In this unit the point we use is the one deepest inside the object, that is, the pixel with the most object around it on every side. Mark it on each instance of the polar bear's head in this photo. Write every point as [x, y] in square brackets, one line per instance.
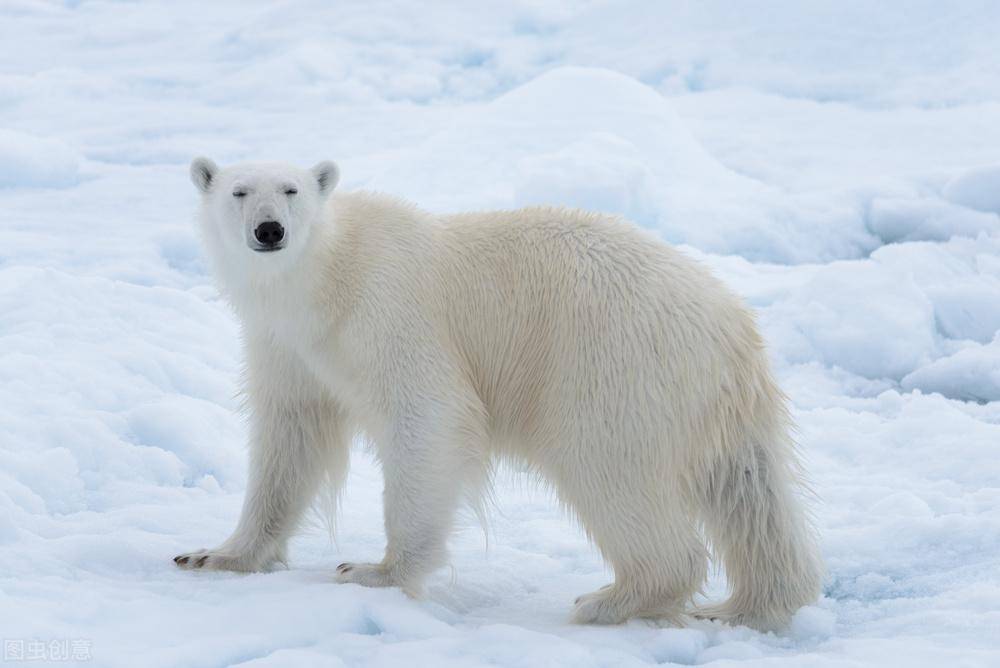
[260, 216]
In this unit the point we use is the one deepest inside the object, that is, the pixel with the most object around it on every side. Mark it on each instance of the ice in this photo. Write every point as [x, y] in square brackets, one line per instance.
[835, 163]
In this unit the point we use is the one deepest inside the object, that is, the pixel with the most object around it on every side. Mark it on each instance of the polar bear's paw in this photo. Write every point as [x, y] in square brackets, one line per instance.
[727, 613]
[366, 575]
[603, 606]
[613, 605]
[214, 560]
[718, 612]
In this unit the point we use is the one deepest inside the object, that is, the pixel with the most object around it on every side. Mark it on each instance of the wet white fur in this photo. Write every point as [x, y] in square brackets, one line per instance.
[616, 368]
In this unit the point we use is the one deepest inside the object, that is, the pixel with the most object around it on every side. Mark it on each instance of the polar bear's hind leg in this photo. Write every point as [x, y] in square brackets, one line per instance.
[644, 530]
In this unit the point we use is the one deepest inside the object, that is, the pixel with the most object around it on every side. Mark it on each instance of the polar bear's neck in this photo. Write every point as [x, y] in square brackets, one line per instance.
[357, 233]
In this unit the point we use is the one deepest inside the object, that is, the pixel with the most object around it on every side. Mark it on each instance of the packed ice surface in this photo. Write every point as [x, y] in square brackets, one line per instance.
[837, 164]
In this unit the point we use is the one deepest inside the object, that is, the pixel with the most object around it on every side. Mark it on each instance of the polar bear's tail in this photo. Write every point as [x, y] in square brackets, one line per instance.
[755, 520]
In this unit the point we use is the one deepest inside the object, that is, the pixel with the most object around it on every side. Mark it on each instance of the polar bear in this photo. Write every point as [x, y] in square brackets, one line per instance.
[616, 368]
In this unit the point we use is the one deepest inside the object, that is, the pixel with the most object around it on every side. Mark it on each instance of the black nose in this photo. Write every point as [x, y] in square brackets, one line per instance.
[269, 233]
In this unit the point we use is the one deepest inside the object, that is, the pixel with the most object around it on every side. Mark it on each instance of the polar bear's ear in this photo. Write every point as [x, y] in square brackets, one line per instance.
[327, 176]
[203, 173]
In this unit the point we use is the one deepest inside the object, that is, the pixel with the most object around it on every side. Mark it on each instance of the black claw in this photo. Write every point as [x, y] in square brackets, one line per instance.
[177, 559]
[201, 561]
[181, 560]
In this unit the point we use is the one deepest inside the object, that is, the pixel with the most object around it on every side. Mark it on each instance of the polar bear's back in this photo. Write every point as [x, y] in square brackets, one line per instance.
[550, 304]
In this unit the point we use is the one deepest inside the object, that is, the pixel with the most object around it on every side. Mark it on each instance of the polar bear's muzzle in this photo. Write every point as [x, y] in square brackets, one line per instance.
[268, 236]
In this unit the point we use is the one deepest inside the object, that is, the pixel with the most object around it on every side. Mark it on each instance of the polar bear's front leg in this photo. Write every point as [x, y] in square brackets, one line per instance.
[298, 437]
[426, 468]
[293, 448]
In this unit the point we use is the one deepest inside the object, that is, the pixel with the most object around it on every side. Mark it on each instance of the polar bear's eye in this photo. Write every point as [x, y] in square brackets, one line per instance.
[239, 193]
[291, 191]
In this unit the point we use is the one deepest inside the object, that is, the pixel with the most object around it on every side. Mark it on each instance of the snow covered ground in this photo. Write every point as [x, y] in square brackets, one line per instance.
[837, 163]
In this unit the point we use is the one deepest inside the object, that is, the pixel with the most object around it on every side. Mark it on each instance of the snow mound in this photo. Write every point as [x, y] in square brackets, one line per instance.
[897, 219]
[977, 188]
[961, 278]
[597, 139]
[600, 172]
[967, 308]
[28, 161]
[499, 149]
[971, 374]
[862, 317]
[583, 137]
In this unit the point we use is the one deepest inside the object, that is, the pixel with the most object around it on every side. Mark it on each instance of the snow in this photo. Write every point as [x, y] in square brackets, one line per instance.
[30, 161]
[971, 374]
[834, 162]
[977, 188]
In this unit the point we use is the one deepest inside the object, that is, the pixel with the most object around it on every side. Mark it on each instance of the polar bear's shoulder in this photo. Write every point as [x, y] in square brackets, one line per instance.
[371, 208]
